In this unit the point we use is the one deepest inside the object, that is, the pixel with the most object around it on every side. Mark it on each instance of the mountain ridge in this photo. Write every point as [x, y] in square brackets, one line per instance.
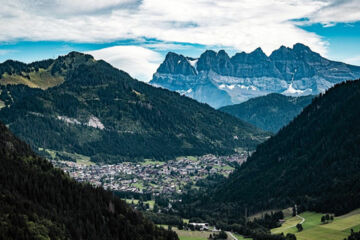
[270, 112]
[101, 112]
[293, 71]
[312, 162]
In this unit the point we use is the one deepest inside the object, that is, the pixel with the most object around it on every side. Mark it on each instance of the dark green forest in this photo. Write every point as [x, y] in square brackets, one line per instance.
[313, 162]
[40, 202]
[270, 112]
[139, 121]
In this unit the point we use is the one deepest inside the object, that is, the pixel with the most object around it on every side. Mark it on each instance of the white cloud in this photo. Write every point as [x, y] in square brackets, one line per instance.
[239, 24]
[138, 61]
[353, 60]
[337, 11]
[5, 51]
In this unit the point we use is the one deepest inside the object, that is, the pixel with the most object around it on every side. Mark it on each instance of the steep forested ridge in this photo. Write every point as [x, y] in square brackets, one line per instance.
[270, 112]
[102, 112]
[40, 202]
[314, 161]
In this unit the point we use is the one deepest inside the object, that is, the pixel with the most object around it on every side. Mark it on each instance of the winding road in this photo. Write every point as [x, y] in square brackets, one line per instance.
[298, 216]
[232, 235]
[301, 222]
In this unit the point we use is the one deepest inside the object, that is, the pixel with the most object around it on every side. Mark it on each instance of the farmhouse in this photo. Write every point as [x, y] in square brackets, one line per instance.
[200, 226]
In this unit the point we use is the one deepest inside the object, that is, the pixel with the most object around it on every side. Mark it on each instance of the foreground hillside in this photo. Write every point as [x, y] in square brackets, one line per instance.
[337, 229]
[40, 202]
[270, 112]
[314, 161]
[101, 112]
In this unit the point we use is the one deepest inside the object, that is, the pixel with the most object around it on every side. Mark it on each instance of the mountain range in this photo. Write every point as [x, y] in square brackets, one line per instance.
[75, 104]
[270, 112]
[220, 80]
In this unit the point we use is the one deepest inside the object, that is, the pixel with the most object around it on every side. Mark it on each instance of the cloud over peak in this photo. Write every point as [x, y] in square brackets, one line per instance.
[138, 61]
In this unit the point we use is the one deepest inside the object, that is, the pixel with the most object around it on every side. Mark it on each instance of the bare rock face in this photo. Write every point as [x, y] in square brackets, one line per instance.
[217, 79]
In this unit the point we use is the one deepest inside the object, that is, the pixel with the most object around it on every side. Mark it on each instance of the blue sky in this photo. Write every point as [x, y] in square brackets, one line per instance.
[135, 35]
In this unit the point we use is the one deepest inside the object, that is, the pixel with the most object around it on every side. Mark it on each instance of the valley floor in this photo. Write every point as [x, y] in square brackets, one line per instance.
[338, 229]
[149, 176]
[204, 235]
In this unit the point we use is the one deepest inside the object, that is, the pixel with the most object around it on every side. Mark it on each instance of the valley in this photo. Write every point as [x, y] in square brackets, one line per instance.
[179, 120]
[152, 177]
[113, 118]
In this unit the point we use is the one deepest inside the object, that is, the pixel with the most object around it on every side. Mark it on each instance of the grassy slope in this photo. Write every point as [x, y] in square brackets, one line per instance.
[41, 79]
[199, 235]
[135, 201]
[192, 235]
[314, 229]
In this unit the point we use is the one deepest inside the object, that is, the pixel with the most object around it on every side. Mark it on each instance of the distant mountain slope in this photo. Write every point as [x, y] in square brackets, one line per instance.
[270, 112]
[314, 161]
[40, 202]
[103, 113]
[41, 74]
[219, 80]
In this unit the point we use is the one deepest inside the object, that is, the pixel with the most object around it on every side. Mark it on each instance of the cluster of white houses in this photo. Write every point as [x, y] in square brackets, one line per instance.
[152, 177]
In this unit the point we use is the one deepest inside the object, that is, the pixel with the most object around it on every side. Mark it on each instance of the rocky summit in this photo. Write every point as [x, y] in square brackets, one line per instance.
[219, 80]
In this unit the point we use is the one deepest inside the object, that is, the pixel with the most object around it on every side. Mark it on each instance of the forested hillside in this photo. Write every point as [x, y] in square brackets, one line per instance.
[40, 202]
[314, 161]
[270, 112]
[103, 113]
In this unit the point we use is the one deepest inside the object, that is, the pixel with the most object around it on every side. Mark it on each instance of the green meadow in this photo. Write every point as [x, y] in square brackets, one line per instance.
[79, 158]
[135, 201]
[314, 230]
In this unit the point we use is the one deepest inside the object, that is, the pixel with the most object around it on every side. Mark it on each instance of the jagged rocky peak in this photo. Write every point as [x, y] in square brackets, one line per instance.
[295, 70]
[176, 64]
[299, 47]
[259, 53]
[206, 60]
[283, 54]
[218, 62]
[255, 56]
[239, 57]
[298, 51]
[222, 54]
[305, 53]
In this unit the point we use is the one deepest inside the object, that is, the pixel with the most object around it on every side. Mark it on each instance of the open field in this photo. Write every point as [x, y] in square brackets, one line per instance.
[192, 235]
[313, 228]
[40, 79]
[151, 162]
[198, 235]
[135, 201]
[191, 158]
[2, 104]
[80, 159]
[239, 237]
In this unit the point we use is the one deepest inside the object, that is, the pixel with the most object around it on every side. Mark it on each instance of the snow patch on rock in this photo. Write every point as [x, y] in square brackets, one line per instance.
[69, 120]
[95, 123]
